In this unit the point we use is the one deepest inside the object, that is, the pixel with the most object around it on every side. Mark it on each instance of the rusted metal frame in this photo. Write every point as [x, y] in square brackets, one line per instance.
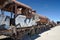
[26, 11]
[15, 34]
[11, 10]
[27, 14]
[15, 7]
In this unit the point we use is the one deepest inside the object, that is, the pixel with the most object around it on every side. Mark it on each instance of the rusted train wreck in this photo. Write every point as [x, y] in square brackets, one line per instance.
[16, 26]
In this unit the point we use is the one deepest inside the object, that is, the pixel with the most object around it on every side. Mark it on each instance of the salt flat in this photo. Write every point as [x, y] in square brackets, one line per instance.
[53, 34]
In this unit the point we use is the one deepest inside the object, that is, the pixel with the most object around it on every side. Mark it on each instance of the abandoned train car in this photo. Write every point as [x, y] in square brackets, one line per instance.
[22, 20]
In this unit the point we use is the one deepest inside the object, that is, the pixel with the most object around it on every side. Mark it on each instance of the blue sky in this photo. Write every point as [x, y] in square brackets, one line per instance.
[49, 8]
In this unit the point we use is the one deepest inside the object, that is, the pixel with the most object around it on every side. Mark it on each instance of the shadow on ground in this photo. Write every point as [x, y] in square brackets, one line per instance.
[35, 36]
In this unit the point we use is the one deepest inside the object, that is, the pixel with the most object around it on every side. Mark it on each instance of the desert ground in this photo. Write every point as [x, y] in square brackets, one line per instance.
[53, 34]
